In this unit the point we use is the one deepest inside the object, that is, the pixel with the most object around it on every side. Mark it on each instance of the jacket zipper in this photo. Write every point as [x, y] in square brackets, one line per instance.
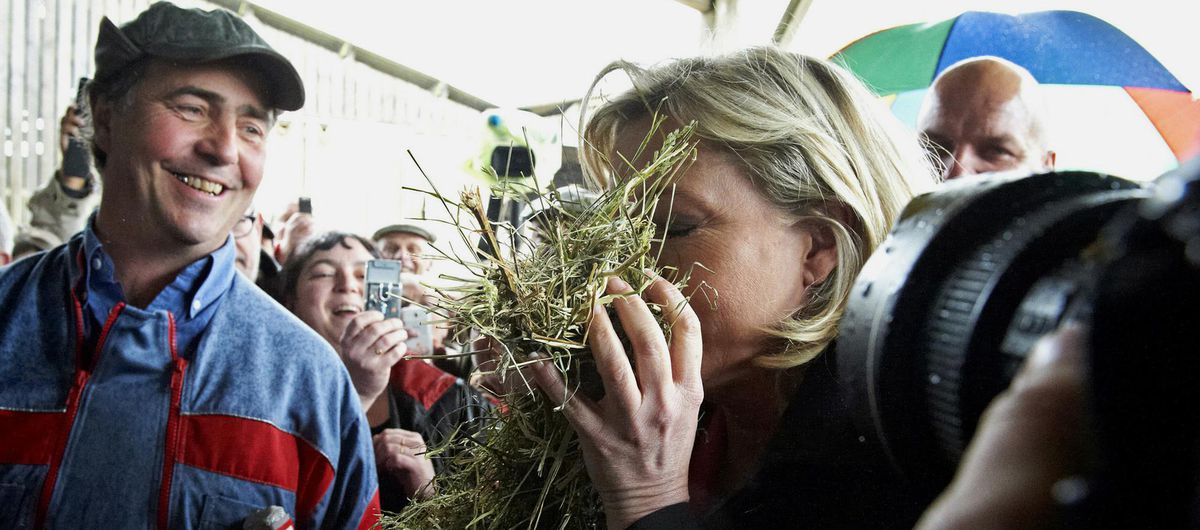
[74, 399]
[173, 438]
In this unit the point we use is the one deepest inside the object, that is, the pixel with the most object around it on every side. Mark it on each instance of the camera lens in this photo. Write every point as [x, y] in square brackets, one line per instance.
[945, 310]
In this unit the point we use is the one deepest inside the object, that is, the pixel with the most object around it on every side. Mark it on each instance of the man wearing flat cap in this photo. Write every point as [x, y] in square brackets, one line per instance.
[143, 382]
[407, 243]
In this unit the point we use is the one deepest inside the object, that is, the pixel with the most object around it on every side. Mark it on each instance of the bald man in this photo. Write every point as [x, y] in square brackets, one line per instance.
[985, 114]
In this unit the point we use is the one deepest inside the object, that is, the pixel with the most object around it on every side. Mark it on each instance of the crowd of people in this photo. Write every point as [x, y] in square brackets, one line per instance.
[171, 356]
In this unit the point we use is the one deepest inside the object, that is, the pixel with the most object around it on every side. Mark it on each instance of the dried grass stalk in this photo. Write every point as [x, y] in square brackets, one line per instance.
[524, 470]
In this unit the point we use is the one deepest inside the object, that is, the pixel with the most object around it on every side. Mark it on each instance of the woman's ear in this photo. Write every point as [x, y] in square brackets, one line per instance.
[821, 254]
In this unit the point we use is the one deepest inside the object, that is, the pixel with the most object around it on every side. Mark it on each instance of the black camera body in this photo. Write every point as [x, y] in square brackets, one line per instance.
[945, 311]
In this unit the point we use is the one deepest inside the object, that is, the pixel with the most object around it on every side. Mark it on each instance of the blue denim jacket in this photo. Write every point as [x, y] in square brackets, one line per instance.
[129, 431]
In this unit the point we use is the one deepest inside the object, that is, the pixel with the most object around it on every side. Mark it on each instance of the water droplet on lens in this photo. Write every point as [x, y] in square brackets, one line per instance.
[935, 379]
[862, 439]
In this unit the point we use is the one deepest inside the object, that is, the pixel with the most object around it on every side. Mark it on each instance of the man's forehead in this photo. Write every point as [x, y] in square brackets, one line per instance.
[401, 238]
[986, 116]
[229, 79]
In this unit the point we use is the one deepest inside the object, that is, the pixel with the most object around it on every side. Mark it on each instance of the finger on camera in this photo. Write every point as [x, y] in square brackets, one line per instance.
[389, 348]
[359, 322]
[376, 327]
[645, 336]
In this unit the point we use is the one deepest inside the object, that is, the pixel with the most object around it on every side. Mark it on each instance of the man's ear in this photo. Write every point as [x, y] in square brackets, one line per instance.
[5, 258]
[101, 123]
[1048, 161]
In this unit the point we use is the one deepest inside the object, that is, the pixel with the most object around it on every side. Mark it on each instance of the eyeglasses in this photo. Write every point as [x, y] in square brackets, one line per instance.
[245, 225]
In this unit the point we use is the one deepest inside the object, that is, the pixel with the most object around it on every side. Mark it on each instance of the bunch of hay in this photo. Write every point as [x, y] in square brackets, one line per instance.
[524, 468]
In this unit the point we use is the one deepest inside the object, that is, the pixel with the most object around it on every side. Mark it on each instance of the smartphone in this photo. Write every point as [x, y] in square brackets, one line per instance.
[385, 287]
[385, 293]
[417, 319]
[77, 161]
[305, 205]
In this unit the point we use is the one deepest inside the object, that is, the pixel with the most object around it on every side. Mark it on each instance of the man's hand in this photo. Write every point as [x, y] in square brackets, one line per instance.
[401, 455]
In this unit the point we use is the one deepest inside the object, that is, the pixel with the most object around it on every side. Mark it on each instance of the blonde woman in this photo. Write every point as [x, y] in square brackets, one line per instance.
[798, 178]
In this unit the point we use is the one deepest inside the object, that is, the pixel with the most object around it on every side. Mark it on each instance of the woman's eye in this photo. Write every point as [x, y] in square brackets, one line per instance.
[676, 228]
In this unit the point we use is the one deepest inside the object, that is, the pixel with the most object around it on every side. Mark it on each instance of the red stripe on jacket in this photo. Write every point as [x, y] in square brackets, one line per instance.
[28, 436]
[422, 381]
[259, 452]
[370, 516]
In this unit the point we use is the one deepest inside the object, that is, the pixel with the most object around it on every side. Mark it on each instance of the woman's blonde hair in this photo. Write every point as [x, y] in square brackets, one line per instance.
[814, 142]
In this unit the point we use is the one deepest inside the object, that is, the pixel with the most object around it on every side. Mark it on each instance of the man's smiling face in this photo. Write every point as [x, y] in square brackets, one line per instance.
[185, 154]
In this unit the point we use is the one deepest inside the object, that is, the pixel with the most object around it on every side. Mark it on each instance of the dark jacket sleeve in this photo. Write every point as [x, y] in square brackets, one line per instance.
[673, 517]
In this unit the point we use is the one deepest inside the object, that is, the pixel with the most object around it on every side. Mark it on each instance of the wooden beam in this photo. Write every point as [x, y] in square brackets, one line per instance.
[345, 48]
[786, 29]
[703, 6]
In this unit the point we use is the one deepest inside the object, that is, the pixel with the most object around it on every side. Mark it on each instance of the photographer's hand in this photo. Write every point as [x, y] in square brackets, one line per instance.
[71, 126]
[637, 439]
[370, 346]
[1031, 437]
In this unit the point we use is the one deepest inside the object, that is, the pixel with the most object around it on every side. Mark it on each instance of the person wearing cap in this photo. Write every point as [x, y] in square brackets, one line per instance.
[406, 243]
[143, 381]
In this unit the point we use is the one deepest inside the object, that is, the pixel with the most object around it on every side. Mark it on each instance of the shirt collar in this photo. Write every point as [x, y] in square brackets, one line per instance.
[195, 288]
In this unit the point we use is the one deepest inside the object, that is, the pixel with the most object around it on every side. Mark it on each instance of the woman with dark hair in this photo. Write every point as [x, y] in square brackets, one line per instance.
[408, 403]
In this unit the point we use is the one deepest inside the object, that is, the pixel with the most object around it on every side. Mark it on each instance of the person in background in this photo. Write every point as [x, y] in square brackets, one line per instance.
[985, 114]
[31, 240]
[63, 204]
[295, 227]
[247, 239]
[408, 403]
[253, 260]
[407, 243]
[143, 381]
[7, 236]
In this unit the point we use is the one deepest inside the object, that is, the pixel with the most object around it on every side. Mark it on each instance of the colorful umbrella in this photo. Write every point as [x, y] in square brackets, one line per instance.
[1113, 106]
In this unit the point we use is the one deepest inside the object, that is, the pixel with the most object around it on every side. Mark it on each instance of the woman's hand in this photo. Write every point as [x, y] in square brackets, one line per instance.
[401, 454]
[1030, 437]
[637, 439]
[370, 346]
